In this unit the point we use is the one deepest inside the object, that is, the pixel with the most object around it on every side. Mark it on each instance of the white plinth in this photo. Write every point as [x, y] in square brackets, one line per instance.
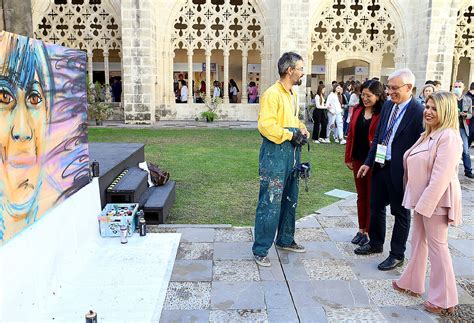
[59, 268]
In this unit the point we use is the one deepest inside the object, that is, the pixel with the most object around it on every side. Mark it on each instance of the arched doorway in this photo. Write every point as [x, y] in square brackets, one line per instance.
[463, 60]
[216, 40]
[362, 31]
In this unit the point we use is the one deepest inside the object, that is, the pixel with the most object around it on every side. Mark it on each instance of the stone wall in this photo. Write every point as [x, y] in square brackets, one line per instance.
[16, 17]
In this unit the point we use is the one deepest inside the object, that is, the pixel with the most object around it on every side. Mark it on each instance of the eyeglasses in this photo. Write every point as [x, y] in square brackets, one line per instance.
[364, 95]
[395, 88]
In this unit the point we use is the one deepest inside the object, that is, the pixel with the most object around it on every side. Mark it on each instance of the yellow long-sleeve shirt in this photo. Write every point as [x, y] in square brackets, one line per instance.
[278, 110]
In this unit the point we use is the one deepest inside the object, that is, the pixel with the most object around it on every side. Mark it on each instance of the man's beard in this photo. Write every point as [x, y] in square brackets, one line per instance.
[299, 82]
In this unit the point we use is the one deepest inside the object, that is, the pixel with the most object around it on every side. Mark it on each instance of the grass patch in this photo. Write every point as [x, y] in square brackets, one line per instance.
[216, 171]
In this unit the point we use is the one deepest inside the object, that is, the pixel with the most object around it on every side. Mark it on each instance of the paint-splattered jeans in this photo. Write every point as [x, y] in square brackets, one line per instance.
[278, 196]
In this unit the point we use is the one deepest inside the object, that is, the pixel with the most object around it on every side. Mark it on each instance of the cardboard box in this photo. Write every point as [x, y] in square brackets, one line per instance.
[116, 214]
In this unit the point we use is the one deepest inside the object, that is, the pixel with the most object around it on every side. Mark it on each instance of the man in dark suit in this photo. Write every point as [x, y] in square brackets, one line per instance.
[400, 126]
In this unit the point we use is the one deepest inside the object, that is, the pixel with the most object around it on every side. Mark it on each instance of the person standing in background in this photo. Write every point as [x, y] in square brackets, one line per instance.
[465, 113]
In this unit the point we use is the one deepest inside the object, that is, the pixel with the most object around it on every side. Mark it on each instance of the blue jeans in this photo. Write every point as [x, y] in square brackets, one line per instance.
[466, 158]
[278, 197]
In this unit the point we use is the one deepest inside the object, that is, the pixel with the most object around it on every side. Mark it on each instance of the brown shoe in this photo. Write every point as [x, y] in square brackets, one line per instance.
[402, 290]
[436, 309]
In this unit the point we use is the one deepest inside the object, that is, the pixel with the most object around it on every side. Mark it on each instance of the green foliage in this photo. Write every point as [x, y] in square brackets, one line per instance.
[216, 171]
[212, 104]
[99, 107]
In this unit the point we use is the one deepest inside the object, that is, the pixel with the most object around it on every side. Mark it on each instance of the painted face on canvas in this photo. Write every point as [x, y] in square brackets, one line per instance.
[24, 120]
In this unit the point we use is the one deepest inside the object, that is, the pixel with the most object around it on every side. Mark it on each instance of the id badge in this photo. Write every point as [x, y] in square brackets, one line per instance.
[380, 154]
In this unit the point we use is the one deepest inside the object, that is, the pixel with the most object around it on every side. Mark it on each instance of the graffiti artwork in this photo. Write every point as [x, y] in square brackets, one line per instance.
[44, 155]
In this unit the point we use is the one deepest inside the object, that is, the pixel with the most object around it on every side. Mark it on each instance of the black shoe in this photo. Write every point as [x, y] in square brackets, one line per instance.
[357, 238]
[390, 263]
[469, 175]
[367, 250]
[364, 240]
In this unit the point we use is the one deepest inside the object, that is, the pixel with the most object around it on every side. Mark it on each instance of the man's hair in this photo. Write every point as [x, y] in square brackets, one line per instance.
[436, 83]
[447, 109]
[471, 87]
[405, 74]
[429, 82]
[286, 61]
[459, 82]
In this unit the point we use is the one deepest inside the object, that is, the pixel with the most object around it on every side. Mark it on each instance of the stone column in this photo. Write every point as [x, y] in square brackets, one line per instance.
[106, 67]
[455, 70]
[167, 84]
[90, 65]
[208, 74]
[376, 67]
[190, 76]
[328, 76]
[171, 94]
[244, 98]
[226, 76]
[139, 61]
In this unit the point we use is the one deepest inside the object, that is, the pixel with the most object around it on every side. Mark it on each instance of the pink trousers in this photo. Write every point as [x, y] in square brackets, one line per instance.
[430, 238]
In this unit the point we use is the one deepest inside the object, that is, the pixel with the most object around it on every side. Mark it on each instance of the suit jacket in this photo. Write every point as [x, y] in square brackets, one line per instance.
[431, 175]
[408, 132]
[351, 133]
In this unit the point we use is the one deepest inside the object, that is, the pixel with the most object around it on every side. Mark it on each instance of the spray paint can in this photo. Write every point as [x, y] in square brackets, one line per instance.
[95, 168]
[91, 317]
[142, 224]
[123, 234]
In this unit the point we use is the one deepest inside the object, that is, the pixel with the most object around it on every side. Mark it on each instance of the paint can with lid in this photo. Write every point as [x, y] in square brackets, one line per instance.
[91, 317]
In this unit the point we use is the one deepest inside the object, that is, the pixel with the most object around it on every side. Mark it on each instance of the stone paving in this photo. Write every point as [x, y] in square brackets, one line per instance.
[215, 279]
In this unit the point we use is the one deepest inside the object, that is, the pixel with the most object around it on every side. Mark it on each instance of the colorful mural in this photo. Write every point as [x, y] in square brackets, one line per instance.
[44, 155]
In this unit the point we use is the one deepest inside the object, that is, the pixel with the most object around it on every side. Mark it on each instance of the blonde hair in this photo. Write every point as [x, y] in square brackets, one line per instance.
[447, 109]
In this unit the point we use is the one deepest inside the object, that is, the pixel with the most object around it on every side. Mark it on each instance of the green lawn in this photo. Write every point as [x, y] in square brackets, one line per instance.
[216, 171]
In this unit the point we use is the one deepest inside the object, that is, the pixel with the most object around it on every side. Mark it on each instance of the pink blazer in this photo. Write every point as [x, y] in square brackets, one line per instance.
[431, 176]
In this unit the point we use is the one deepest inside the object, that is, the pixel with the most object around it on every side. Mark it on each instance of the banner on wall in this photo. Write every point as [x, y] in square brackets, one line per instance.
[44, 156]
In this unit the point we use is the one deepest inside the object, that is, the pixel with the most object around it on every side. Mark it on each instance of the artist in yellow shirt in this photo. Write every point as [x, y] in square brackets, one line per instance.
[283, 135]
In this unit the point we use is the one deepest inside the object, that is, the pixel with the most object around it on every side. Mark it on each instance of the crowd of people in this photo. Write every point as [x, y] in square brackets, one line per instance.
[403, 151]
[217, 91]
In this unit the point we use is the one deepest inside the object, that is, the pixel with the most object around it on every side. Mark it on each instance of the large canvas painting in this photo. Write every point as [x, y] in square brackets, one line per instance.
[44, 155]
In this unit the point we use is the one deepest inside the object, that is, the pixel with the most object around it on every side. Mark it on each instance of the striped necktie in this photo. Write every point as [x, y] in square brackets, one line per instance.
[391, 124]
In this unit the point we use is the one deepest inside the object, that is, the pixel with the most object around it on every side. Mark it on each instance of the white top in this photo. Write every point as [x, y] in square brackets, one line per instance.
[354, 100]
[333, 104]
[233, 90]
[184, 93]
[318, 104]
[217, 92]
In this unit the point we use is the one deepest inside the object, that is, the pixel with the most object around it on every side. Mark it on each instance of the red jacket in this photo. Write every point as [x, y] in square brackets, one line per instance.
[358, 111]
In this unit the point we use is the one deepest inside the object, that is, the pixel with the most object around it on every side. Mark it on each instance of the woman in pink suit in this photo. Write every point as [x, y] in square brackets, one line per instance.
[433, 191]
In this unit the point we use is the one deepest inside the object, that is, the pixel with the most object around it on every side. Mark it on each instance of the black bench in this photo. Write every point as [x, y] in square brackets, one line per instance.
[157, 201]
[128, 186]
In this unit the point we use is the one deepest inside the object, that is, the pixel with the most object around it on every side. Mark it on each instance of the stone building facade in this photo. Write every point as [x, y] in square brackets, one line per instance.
[152, 44]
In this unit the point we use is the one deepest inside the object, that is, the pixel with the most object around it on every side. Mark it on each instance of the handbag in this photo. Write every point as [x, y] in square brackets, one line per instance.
[158, 176]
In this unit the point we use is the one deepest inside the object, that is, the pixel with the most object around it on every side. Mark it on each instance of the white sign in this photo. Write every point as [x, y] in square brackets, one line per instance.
[361, 70]
[253, 68]
[318, 69]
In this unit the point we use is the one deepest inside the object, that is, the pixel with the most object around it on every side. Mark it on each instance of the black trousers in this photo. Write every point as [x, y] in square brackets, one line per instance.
[320, 124]
[383, 193]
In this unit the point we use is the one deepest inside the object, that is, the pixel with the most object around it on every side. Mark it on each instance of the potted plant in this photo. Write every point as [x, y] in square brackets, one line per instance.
[99, 106]
[211, 104]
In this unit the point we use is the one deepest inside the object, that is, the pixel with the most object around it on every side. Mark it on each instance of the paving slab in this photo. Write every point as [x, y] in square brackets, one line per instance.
[277, 295]
[237, 296]
[233, 251]
[184, 316]
[188, 296]
[406, 314]
[282, 315]
[192, 270]
[340, 293]
[196, 234]
[313, 314]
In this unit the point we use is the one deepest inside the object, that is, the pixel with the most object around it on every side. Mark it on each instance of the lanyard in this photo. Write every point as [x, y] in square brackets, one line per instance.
[395, 122]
